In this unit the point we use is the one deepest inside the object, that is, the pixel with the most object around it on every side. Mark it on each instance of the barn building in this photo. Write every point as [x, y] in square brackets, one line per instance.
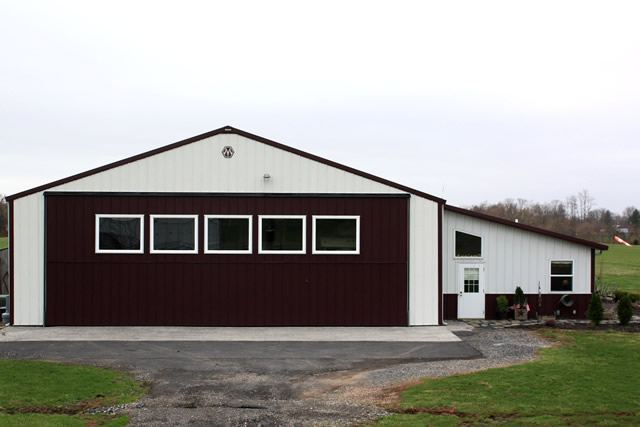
[229, 228]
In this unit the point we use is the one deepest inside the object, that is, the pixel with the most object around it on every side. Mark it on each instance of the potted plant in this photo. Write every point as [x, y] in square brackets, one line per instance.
[520, 305]
[502, 307]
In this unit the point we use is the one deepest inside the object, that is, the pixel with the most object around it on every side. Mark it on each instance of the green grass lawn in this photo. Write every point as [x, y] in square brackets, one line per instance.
[587, 378]
[4, 242]
[53, 394]
[620, 267]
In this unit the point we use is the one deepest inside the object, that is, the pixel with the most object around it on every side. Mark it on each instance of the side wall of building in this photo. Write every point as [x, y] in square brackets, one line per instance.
[200, 167]
[511, 258]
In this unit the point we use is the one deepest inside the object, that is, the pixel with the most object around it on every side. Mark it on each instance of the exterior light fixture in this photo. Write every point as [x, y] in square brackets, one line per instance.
[267, 177]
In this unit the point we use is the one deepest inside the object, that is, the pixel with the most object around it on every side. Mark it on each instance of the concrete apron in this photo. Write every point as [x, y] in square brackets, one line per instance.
[172, 333]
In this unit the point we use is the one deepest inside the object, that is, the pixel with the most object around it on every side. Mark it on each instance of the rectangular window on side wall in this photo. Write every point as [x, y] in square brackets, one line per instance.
[562, 276]
[467, 245]
[227, 234]
[336, 235]
[174, 234]
[119, 234]
[282, 234]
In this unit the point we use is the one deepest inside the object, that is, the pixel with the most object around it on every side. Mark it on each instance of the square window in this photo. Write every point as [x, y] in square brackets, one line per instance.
[119, 234]
[282, 234]
[228, 234]
[336, 235]
[467, 245]
[174, 234]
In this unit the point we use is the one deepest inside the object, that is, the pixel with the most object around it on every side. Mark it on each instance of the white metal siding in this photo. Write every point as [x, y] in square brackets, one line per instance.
[513, 257]
[423, 262]
[200, 167]
[28, 253]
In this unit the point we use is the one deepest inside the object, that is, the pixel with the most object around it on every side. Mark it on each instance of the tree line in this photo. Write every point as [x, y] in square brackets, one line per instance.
[576, 216]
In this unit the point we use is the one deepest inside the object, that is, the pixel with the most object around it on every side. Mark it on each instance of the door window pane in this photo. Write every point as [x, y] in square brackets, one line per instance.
[471, 280]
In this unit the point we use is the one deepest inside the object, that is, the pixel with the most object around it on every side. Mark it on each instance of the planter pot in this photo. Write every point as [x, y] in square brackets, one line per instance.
[520, 314]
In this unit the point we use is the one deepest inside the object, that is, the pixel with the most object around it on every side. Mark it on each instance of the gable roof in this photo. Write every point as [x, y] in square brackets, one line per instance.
[229, 130]
[537, 230]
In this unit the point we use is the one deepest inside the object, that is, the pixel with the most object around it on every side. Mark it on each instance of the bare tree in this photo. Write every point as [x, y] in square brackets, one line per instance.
[572, 207]
[585, 204]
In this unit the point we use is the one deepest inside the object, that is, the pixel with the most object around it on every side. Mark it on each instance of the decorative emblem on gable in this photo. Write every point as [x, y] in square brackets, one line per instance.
[227, 152]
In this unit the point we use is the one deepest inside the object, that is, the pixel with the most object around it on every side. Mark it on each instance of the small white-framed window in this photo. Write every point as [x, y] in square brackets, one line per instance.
[227, 234]
[561, 272]
[467, 245]
[336, 234]
[282, 234]
[119, 234]
[174, 234]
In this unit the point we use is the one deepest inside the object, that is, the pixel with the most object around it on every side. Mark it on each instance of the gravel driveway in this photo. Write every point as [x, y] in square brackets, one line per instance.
[288, 388]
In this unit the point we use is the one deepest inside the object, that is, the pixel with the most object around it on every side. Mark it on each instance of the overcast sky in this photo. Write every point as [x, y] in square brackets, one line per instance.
[470, 101]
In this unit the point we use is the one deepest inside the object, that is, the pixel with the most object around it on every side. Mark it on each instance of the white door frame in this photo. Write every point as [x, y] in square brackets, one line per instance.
[471, 305]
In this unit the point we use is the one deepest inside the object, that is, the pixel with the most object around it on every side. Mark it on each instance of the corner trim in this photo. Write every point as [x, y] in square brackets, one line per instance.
[440, 295]
[11, 265]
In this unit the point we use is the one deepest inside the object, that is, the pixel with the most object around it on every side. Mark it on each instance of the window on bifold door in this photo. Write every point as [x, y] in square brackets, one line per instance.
[174, 234]
[228, 234]
[282, 234]
[119, 233]
[561, 276]
[336, 235]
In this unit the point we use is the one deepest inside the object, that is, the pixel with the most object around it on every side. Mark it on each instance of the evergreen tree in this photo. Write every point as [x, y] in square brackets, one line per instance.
[625, 309]
[596, 311]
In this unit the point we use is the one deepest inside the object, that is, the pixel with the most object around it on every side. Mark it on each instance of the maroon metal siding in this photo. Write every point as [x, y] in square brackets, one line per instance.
[450, 306]
[550, 303]
[85, 288]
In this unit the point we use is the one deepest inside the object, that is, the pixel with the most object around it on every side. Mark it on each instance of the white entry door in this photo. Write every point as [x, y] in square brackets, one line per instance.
[470, 291]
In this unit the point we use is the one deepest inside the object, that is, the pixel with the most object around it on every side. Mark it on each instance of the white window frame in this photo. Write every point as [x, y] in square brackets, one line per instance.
[206, 234]
[316, 251]
[170, 251]
[119, 251]
[468, 257]
[572, 275]
[272, 252]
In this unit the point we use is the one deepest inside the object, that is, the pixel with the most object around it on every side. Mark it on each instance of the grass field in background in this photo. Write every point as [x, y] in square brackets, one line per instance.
[53, 394]
[4, 242]
[586, 378]
[620, 267]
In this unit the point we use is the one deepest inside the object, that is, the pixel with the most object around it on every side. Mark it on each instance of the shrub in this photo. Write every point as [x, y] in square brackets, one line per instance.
[596, 311]
[619, 294]
[550, 323]
[625, 310]
[518, 298]
[635, 242]
[502, 307]
[634, 297]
